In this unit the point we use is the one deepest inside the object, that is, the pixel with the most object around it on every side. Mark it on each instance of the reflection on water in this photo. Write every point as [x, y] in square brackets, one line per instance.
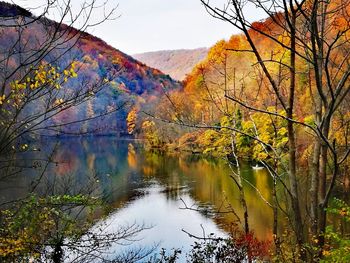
[146, 187]
[167, 221]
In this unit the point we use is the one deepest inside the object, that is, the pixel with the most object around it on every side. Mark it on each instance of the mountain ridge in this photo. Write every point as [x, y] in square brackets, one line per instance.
[176, 63]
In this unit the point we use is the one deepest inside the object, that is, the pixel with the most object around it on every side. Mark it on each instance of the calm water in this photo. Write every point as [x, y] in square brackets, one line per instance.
[146, 188]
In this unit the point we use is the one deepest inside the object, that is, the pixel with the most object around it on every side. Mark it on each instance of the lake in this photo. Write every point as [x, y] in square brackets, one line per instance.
[147, 188]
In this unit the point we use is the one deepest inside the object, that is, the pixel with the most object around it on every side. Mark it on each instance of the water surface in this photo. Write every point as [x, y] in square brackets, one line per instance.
[147, 188]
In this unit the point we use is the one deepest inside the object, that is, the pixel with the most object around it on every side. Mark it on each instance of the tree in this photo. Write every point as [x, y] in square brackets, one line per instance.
[307, 33]
[40, 82]
[37, 71]
[288, 78]
[57, 228]
[131, 120]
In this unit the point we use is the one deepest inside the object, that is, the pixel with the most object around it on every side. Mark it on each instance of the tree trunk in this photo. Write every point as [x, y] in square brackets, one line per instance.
[275, 218]
[323, 182]
[294, 191]
[314, 188]
[315, 173]
[292, 141]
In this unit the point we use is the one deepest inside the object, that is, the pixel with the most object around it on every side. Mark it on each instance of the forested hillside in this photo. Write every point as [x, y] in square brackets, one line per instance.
[230, 81]
[277, 95]
[176, 63]
[114, 81]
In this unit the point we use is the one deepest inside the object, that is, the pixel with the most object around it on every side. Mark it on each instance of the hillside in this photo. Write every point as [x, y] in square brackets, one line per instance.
[176, 63]
[126, 82]
[226, 83]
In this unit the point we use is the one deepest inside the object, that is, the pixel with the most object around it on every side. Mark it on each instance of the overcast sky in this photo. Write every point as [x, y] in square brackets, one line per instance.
[149, 25]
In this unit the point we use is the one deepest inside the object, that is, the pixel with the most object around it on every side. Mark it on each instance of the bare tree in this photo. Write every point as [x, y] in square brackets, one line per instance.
[315, 34]
[39, 80]
[37, 71]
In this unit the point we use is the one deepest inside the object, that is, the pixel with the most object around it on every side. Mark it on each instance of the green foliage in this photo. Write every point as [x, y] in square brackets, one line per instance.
[208, 141]
[200, 81]
[340, 208]
[218, 142]
[272, 134]
[253, 138]
[310, 120]
[152, 135]
[37, 222]
[243, 141]
[337, 247]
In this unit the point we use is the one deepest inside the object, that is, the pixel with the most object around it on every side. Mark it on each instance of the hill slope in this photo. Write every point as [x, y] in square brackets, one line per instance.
[176, 63]
[126, 81]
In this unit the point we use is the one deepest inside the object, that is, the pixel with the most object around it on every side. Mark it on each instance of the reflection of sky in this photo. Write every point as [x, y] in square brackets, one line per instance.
[122, 168]
[166, 217]
[126, 176]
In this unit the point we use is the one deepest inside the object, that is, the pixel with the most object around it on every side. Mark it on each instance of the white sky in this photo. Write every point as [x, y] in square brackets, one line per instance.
[149, 25]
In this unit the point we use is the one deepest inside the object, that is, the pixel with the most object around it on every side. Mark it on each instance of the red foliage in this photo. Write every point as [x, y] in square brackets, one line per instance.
[255, 248]
[259, 26]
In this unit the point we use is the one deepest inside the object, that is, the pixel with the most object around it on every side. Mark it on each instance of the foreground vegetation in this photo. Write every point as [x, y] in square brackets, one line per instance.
[278, 95]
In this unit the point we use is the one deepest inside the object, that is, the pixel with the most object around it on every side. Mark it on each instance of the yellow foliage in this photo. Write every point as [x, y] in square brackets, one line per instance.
[46, 76]
[2, 99]
[131, 120]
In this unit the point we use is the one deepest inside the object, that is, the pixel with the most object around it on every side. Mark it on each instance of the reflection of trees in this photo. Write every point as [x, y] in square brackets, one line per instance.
[206, 180]
[67, 201]
[91, 161]
[67, 162]
[215, 186]
[210, 183]
[132, 162]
